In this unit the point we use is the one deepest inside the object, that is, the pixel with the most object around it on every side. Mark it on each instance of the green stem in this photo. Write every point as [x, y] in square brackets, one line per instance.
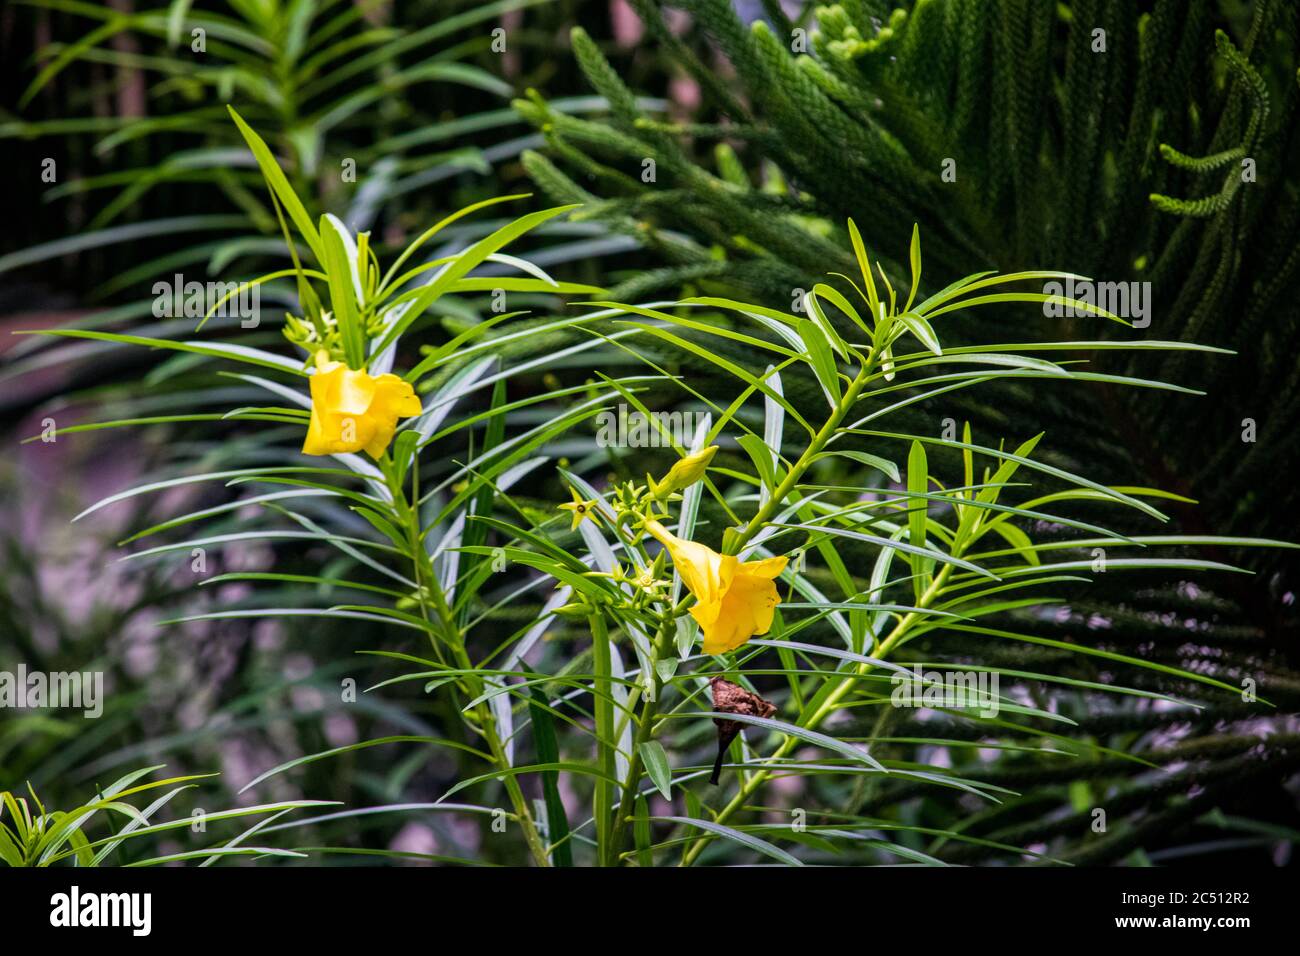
[796, 473]
[643, 733]
[408, 518]
[603, 706]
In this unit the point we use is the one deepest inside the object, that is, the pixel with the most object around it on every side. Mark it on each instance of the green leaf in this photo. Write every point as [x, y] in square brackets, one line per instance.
[864, 264]
[818, 317]
[833, 295]
[865, 458]
[343, 298]
[922, 330]
[807, 735]
[736, 836]
[821, 359]
[279, 184]
[548, 751]
[464, 262]
[915, 259]
[349, 748]
[656, 766]
[918, 483]
[1018, 540]
[761, 456]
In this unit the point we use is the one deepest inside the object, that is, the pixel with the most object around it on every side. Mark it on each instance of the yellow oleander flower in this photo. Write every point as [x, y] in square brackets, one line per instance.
[734, 599]
[352, 410]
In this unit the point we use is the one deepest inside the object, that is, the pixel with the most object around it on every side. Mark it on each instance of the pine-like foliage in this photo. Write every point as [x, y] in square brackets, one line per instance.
[1132, 143]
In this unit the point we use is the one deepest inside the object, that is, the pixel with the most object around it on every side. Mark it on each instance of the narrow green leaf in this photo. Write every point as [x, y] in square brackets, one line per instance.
[915, 258]
[918, 483]
[656, 766]
[279, 184]
[736, 836]
[548, 751]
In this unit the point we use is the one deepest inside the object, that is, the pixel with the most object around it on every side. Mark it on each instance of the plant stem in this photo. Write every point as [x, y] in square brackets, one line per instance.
[643, 730]
[819, 441]
[603, 707]
[408, 518]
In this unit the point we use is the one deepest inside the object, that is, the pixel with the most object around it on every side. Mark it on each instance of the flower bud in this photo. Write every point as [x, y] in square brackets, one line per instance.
[686, 472]
[575, 610]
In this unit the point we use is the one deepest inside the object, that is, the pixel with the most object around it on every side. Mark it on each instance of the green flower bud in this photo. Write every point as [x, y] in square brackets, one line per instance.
[686, 472]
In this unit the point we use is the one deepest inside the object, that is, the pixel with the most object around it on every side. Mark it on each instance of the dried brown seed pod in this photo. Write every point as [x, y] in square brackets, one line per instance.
[729, 698]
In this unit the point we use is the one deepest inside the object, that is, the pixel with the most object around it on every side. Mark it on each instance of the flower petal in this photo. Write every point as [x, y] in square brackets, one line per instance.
[746, 609]
[395, 397]
[769, 568]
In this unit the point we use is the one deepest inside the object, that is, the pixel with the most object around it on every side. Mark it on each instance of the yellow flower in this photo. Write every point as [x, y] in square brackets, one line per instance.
[734, 599]
[579, 508]
[352, 410]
